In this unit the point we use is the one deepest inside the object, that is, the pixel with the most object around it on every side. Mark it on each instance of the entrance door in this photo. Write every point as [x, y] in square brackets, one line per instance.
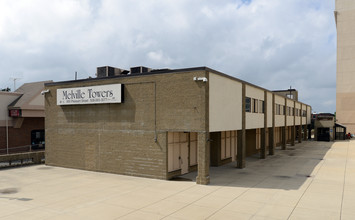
[323, 134]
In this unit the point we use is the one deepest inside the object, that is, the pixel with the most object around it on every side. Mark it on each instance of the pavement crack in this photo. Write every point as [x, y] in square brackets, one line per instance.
[342, 195]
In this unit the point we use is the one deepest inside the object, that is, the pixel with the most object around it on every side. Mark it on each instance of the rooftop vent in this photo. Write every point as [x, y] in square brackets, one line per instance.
[140, 69]
[106, 71]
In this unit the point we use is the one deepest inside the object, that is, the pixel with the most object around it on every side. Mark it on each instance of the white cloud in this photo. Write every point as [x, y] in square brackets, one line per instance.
[272, 43]
[158, 57]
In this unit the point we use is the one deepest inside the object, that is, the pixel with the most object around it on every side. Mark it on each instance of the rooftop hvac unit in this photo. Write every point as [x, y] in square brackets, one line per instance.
[140, 69]
[106, 71]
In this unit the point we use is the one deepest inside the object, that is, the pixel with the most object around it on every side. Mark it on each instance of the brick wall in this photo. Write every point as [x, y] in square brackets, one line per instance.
[120, 138]
[20, 136]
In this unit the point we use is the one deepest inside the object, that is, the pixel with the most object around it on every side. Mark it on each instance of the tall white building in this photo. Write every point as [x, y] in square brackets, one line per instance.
[345, 85]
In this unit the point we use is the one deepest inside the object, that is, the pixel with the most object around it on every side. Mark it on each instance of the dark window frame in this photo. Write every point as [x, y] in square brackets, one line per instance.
[247, 104]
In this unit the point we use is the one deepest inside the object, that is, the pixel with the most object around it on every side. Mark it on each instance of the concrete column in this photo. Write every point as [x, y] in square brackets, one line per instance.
[300, 134]
[283, 136]
[308, 125]
[263, 144]
[263, 130]
[293, 129]
[309, 132]
[305, 132]
[293, 136]
[241, 137]
[271, 141]
[283, 130]
[203, 144]
[203, 157]
[272, 129]
[241, 147]
[300, 127]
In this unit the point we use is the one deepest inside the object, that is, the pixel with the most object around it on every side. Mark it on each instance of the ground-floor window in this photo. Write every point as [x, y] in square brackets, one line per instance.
[228, 144]
[182, 150]
[193, 148]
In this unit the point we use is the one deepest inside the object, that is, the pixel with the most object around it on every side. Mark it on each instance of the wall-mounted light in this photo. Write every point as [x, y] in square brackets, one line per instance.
[203, 79]
[44, 91]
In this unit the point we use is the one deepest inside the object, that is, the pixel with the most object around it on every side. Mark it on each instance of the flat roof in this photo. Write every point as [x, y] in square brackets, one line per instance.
[167, 71]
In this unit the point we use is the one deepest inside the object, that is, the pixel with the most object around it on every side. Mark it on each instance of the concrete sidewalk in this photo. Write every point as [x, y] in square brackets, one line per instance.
[312, 180]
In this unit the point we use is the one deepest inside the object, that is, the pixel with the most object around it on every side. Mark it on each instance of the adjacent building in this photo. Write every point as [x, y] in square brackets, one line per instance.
[165, 123]
[345, 81]
[22, 113]
[324, 127]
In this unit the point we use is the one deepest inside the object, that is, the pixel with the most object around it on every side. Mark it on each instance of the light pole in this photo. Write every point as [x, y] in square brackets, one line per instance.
[7, 133]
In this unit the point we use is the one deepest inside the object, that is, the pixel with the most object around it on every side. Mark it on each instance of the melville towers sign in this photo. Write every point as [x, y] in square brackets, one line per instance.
[90, 95]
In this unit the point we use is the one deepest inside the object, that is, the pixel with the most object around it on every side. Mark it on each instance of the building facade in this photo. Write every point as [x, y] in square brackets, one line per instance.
[166, 123]
[22, 112]
[345, 81]
[324, 127]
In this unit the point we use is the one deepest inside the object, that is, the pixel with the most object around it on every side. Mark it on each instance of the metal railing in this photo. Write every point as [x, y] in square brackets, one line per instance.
[19, 149]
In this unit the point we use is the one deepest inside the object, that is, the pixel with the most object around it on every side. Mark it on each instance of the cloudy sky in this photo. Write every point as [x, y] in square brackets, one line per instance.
[271, 43]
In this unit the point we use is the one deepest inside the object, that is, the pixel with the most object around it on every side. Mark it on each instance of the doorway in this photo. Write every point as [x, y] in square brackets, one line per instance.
[182, 147]
[323, 134]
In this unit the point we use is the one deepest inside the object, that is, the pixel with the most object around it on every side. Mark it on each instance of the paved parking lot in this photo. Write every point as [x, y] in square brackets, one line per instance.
[312, 180]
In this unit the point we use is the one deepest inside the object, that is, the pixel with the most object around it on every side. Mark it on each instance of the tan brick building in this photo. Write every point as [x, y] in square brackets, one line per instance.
[166, 123]
[345, 89]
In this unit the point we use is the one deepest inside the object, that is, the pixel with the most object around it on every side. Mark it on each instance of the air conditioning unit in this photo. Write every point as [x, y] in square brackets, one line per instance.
[140, 69]
[106, 71]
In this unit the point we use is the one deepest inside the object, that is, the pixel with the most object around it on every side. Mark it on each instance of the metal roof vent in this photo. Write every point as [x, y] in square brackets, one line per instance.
[106, 71]
[140, 69]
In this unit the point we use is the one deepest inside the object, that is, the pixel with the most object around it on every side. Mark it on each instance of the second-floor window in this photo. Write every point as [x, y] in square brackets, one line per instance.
[247, 104]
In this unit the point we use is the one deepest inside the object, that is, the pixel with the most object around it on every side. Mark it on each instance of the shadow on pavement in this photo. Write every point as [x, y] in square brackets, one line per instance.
[288, 169]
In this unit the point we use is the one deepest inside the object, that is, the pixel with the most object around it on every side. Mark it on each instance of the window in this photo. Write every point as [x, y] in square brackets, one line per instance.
[255, 105]
[277, 109]
[290, 111]
[228, 143]
[261, 106]
[247, 104]
[179, 152]
[193, 148]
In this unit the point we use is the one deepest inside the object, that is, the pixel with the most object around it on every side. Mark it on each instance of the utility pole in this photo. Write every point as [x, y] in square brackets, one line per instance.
[14, 79]
[7, 133]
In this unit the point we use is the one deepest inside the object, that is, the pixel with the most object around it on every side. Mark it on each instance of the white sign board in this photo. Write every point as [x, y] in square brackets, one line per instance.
[90, 95]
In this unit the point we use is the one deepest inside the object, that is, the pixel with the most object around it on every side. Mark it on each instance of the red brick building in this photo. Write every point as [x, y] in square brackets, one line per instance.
[21, 112]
